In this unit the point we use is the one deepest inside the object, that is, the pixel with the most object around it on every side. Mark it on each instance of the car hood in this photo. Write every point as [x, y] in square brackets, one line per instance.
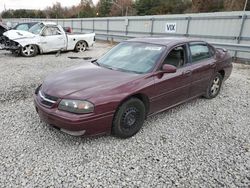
[18, 34]
[85, 81]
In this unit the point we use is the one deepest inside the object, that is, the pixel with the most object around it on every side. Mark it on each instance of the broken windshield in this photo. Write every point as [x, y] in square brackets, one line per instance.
[36, 29]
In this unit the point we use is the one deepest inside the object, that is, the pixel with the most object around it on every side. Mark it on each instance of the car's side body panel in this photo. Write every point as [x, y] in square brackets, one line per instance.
[170, 89]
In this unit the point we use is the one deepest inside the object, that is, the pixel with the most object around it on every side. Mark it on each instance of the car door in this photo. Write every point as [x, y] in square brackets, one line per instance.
[203, 67]
[52, 39]
[173, 88]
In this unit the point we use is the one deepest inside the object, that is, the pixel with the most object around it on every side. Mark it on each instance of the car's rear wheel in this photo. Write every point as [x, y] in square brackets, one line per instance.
[81, 46]
[29, 50]
[129, 118]
[214, 86]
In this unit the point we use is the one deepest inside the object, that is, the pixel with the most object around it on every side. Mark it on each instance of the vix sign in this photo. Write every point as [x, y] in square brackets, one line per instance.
[170, 28]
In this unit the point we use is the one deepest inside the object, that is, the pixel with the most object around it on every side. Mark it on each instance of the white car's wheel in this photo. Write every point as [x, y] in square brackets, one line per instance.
[29, 50]
[81, 46]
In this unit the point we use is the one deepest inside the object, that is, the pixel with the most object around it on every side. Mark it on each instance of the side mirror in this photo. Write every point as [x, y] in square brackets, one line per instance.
[168, 68]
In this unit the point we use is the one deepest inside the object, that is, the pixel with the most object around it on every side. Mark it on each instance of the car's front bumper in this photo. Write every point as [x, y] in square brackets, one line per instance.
[89, 124]
[7, 44]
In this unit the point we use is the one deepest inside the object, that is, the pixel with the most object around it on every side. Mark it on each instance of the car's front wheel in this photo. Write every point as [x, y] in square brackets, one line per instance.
[214, 86]
[129, 118]
[29, 50]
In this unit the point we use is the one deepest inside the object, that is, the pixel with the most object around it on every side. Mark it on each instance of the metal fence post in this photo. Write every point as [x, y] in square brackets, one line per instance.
[107, 29]
[188, 23]
[152, 27]
[126, 28]
[244, 17]
[72, 25]
[93, 25]
[81, 25]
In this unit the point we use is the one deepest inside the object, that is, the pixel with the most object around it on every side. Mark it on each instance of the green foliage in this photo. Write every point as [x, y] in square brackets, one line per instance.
[22, 13]
[87, 11]
[154, 7]
[104, 7]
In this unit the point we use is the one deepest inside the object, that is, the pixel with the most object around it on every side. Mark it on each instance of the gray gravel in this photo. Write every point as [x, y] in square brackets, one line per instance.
[203, 143]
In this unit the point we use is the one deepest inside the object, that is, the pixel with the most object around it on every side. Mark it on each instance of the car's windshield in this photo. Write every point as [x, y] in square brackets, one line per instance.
[132, 57]
[36, 29]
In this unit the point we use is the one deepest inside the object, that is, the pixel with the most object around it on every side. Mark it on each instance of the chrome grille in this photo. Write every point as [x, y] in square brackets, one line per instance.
[46, 99]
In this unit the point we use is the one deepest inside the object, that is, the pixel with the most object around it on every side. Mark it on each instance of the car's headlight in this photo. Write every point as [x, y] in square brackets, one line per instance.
[76, 106]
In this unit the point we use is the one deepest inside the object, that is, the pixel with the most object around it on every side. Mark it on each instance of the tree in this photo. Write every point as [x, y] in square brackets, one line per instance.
[103, 7]
[207, 5]
[86, 10]
[154, 7]
[56, 11]
[144, 7]
[7, 14]
[121, 8]
[234, 5]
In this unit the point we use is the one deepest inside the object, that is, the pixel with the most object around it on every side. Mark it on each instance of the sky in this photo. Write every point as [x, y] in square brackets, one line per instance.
[35, 4]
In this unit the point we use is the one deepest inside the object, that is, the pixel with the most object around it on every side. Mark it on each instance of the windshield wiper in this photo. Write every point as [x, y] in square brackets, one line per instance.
[95, 62]
[108, 67]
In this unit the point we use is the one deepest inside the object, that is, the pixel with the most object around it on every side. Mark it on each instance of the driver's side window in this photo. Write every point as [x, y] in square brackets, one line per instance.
[176, 57]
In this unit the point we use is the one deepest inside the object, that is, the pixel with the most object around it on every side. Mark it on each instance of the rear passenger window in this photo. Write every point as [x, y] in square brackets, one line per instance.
[199, 52]
[49, 31]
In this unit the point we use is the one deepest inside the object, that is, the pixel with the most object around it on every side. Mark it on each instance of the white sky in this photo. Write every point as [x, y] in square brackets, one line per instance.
[35, 4]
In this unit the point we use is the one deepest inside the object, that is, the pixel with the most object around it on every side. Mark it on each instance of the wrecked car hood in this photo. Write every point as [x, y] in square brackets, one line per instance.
[18, 34]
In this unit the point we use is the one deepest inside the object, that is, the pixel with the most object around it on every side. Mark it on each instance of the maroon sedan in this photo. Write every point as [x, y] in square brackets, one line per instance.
[135, 79]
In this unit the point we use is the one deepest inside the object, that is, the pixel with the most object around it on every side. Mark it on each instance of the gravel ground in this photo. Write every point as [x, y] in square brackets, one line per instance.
[203, 143]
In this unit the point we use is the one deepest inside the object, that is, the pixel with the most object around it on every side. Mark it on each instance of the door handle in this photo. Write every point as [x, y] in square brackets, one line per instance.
[187, 73]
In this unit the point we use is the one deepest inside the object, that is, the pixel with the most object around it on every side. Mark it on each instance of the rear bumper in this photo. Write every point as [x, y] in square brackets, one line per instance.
[75, 124]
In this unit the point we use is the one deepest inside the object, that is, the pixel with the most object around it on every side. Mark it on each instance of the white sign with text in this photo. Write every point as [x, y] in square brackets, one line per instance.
[170, 28]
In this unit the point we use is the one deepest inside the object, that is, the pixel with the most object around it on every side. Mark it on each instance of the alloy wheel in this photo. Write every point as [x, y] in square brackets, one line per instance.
[81, 46]
[215, 86]
[28, 50]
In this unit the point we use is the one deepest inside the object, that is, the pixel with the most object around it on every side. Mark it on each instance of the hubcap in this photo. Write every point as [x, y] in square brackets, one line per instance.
[28, 50]
[130, 118]
[215, 86]
[81, 46]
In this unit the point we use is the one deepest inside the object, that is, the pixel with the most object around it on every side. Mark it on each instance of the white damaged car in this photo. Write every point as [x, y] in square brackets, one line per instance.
[45, 37]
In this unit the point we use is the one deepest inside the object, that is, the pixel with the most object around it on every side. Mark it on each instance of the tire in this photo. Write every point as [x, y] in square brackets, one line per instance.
[214, 86]
[29, 50]
[81, 46]
[129, 118]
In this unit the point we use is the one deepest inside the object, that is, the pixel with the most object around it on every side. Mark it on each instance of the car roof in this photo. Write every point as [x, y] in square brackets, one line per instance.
[166, 41]
[49, 23]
